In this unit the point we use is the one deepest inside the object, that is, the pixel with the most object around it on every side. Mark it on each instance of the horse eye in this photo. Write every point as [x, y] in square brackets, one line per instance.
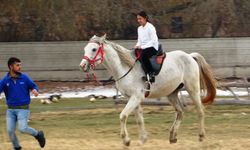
[94, 49]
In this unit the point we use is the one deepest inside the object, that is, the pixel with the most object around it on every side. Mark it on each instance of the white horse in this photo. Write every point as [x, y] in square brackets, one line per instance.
[179, 68]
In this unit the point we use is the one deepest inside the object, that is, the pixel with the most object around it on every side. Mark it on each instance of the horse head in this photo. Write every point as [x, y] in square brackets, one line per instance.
[93, 53]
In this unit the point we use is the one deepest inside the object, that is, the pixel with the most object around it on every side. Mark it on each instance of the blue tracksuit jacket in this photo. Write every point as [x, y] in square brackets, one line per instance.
[17, 92]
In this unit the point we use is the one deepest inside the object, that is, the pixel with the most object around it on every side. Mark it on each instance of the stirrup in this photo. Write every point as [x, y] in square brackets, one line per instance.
[147, 86]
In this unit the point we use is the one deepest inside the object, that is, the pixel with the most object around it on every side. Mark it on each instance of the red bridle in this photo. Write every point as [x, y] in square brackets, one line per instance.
[100, 51]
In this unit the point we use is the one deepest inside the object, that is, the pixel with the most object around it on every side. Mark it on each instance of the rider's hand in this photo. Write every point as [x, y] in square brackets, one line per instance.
[137, 47]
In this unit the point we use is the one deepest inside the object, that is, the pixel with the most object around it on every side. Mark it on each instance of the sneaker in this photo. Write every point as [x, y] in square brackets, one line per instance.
[18, 148]
[41, 139]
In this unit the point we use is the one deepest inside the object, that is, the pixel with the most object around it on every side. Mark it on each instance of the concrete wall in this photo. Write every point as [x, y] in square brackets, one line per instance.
[59, 60]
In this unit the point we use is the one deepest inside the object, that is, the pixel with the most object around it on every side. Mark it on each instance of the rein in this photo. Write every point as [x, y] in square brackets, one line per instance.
[126, 72]
[137, 58]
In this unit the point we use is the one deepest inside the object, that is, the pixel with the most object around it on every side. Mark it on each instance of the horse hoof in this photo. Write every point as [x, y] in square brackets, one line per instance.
[126, 143]
[172, 141]
[143, 141]
[201, 138]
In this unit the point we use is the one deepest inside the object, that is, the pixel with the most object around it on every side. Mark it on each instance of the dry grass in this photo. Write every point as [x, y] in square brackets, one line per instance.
[98, 129]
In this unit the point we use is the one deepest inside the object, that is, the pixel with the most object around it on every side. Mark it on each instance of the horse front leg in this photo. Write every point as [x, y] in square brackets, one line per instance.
[140, 123]
[131, 105]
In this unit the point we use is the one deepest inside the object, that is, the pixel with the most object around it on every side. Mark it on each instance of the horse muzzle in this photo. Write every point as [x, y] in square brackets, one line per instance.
[84, 66]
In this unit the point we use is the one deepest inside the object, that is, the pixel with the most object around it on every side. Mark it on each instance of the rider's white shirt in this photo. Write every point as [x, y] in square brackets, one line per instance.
[147, 36]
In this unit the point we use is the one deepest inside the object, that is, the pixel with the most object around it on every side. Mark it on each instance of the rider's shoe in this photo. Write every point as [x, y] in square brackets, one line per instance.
[152, 78]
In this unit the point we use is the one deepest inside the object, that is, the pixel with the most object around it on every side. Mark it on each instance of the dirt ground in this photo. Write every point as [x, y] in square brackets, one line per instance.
[152, 144]
[227, 128]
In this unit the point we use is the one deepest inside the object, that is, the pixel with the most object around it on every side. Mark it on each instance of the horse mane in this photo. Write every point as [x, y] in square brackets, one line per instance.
[123, 53]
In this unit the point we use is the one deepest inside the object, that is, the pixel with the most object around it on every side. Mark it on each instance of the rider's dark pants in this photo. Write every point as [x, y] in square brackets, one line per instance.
[145, 55]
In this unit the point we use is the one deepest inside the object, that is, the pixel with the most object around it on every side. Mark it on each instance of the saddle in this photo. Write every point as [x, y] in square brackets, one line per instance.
[156, 60]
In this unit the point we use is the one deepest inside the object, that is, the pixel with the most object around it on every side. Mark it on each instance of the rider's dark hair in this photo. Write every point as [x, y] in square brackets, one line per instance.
[13, 60]
[144, 15]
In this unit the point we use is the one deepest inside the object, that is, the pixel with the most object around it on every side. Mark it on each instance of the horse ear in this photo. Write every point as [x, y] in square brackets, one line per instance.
[103, 38]
[94, 36]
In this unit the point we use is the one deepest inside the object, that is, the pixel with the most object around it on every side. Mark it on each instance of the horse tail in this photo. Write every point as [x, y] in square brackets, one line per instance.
[207, 79]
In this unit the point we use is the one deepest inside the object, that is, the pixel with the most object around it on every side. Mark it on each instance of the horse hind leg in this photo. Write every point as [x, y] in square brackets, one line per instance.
[195, 96]
[175, 101]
